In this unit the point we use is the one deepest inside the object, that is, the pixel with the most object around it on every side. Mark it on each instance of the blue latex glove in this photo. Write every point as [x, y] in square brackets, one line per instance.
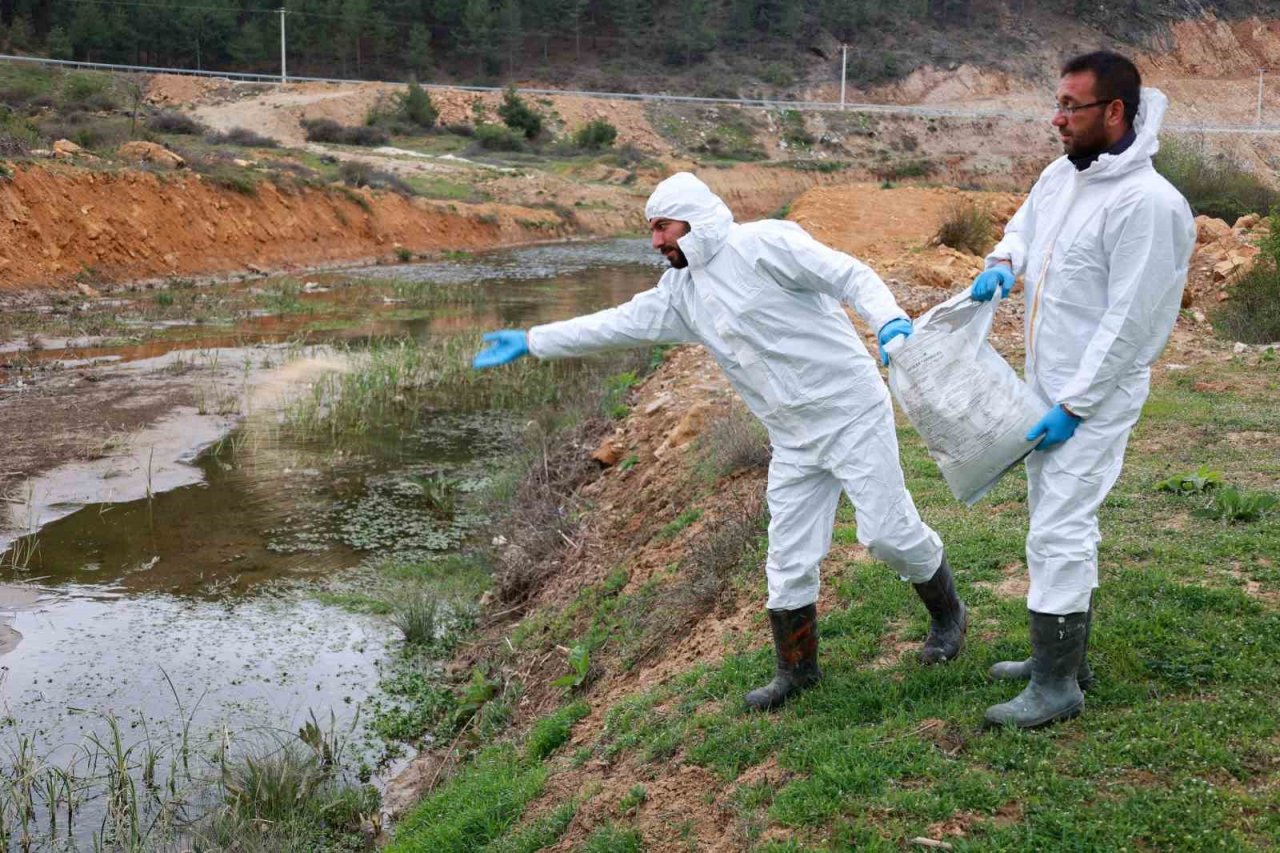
[984, 286]
[1056, 427]
[504, 346]
[891, 330]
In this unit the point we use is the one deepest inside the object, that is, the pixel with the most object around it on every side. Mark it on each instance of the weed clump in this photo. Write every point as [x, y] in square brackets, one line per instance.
[172, 121]
[732, 443]
[965, 227]
[416, 617]
[1217, 185]
[357, 174]
[516, 114]
[903, 169]
[243, 137]
[497, 137]
[328, 130]
[595, 135]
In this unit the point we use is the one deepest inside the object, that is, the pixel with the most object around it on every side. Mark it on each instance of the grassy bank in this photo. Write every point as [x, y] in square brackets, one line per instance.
[1179, 747]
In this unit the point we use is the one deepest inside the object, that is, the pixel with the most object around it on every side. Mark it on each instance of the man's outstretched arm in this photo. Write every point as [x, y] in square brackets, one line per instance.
[649, 318]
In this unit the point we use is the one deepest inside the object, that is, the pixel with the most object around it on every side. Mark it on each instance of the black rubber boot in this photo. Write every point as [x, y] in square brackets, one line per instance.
[1057, 649]
[1020, 670]
[795, 639]
[950, 618]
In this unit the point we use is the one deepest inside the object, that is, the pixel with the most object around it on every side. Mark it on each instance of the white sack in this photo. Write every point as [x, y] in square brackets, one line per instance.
[967, 403]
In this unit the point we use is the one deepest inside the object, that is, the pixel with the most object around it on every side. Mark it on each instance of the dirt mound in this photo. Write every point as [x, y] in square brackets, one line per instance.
[180, 90]
[879, 225]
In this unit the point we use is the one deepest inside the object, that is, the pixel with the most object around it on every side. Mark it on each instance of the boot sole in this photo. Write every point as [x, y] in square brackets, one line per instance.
[1057, 717]
[774, 705]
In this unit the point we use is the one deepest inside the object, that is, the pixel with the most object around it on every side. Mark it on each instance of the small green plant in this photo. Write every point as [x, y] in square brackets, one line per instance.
[680, 522]
[579, 668]
[629, 463]
[404, 254]
[417, 617]
[1232, 504]
[476, 693]
[794, 133]
[595, 135]
[516, 114]
[966, 227]
[551, 732]
[497, 137]
[633, 799]
[1203, 479]
[616, 388]
[416, 107]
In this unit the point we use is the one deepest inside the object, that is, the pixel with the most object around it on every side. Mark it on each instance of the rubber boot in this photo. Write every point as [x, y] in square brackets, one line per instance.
[950, 618]
[1057, 649]
[1020, 670]
[795, 639]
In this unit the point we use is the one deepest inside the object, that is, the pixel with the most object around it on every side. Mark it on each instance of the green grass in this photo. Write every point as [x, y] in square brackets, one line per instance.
[680, 522]
[474, 807]
[1180, 742]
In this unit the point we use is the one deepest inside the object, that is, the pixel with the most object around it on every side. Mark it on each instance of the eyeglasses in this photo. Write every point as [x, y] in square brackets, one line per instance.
[1069, 111]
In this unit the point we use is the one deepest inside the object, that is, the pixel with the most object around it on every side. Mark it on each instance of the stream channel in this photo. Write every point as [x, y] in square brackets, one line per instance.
[203, 606]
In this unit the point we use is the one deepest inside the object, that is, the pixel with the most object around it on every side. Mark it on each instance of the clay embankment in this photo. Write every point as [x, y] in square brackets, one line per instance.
[57, 226]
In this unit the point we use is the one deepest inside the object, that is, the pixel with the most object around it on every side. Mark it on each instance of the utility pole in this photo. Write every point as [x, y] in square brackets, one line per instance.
[284, 74]
[844, 65]
[1259, 97]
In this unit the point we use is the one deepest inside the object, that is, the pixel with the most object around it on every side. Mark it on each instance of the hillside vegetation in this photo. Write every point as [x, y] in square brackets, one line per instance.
[774, 45]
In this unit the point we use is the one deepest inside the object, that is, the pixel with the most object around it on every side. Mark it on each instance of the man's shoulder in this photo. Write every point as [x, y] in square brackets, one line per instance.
[766, 229]
[1146, 187]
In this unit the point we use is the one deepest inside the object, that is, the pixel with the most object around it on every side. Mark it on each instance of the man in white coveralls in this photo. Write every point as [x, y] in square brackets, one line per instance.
[1103, 243]
[765, 299]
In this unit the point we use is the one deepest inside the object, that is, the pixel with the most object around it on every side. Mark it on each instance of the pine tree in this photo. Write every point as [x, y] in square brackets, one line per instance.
[417, 51]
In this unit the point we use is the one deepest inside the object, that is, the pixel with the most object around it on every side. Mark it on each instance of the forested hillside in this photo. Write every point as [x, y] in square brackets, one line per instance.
[750, 45]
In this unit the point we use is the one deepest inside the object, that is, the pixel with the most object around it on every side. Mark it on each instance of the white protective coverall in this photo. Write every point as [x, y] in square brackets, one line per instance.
[764, 298]
[1104, 252]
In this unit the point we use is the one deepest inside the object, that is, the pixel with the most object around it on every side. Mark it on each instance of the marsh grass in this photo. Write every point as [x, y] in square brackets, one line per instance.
[136, 785]
[417, 617]
[396, 381]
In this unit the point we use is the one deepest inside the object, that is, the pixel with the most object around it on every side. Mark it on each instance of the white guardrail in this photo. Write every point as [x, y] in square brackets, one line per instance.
[756, 103]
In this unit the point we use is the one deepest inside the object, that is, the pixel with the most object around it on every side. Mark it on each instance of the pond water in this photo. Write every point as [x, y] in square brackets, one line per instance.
[195, 607]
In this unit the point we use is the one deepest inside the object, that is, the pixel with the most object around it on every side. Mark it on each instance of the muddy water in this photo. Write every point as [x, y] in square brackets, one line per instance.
[194, 602]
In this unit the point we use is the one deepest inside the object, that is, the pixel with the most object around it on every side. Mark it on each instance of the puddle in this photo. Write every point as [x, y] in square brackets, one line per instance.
[169, 577]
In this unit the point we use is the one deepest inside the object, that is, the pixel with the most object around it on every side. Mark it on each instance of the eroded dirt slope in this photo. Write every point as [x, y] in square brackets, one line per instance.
[57, 225]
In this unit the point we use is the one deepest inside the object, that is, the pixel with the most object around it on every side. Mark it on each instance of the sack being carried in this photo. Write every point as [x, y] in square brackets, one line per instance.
[968, 405]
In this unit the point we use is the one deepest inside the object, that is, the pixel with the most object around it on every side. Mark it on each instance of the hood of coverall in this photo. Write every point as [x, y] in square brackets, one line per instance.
[684, 197]
[1146, 126]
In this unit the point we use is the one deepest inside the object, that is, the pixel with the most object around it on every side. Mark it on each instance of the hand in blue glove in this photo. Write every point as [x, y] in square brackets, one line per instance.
[984, 286]
[1056, 427]
[504, 346]
[891, 330]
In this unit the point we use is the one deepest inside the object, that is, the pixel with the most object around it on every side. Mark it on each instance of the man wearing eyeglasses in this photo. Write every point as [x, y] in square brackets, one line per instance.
[1102, 243]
